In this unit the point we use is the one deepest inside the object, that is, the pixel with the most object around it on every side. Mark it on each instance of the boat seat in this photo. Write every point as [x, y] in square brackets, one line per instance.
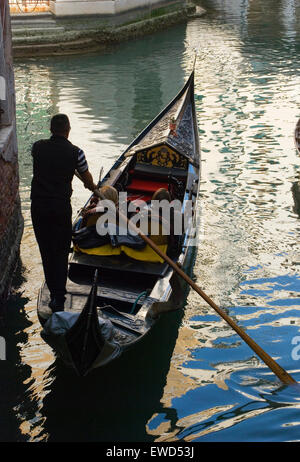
[148, 186]
[155, 171]
[120, 264]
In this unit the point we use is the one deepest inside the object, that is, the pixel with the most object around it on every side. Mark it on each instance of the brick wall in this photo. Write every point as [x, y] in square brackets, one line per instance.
[11, 221]
[9, 184]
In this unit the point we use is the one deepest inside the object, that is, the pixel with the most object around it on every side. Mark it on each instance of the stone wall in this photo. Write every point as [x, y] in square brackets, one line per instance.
[11, 222]
[99, 7]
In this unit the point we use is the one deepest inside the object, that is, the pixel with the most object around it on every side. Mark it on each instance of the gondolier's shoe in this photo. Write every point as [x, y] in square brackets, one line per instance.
[45, 313]
[57, 304]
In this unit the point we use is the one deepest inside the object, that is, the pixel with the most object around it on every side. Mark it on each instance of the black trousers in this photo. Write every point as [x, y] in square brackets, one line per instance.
[52, 224]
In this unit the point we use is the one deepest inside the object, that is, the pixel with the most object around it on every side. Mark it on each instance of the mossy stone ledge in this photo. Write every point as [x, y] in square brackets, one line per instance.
[70, 38]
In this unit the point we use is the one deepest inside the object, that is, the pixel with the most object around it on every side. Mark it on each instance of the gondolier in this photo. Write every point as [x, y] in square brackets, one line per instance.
[54, 163]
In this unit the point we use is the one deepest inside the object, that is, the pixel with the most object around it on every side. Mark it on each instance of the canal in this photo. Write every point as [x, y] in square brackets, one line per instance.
[193, 378]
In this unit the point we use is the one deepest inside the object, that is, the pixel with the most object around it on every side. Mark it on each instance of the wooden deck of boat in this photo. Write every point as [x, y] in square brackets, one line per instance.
[127, 327]
[77, 295]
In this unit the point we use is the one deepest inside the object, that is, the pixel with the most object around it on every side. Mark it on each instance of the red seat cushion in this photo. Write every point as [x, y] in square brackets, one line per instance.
[146, 186]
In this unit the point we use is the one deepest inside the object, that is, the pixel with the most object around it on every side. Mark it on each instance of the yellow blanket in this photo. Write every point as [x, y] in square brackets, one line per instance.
[146, 254]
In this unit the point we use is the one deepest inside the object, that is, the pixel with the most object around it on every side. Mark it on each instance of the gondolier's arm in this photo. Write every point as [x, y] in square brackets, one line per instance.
[88, 181]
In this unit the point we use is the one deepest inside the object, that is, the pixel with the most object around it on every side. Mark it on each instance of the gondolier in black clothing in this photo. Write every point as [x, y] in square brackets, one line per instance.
[54, 163]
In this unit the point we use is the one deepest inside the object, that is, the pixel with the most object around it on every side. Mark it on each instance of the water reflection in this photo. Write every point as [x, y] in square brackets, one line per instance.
[115, 402]
[15, 376]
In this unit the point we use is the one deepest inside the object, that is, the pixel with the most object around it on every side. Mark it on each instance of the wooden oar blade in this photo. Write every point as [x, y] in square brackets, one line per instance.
[85, 340]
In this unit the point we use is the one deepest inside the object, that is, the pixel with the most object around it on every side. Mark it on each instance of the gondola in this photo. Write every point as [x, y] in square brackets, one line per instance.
[297, 136]
[116, 294]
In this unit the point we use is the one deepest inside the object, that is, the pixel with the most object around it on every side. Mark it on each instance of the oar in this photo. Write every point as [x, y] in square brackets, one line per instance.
[283, 375]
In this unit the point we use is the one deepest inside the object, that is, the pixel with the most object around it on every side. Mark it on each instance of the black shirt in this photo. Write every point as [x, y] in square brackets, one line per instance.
[54, 163]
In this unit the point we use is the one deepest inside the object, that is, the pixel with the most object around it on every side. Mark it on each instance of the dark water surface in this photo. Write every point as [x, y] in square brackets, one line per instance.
[193, 379]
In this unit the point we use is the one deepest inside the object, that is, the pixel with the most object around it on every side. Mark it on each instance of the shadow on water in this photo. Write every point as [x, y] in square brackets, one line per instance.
[13, 372]
[113, 403]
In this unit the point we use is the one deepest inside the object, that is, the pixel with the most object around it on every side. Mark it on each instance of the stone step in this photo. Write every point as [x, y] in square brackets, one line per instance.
[41, 39]
[38, 39]
[47, 49]
[27, 24]
[28, 16]
[36, 31]
[32, 20]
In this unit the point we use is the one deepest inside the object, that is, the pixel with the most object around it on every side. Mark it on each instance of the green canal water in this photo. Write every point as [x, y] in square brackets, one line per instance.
[193, 379]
